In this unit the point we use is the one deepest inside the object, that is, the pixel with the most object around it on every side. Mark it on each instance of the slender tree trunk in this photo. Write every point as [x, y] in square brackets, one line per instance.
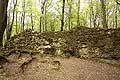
[70, 8]
[23, 16]
[78, 14]
[45, 19]
[21, 20]
[16, 23]
[104, 21]
[8, 19]
[40, 25]
[32, 22]
[90, 16]
[97, 23]
[93, 20]
[3, 18]
[13, 17]
[116, 9]
[52, 25]
[62, 20]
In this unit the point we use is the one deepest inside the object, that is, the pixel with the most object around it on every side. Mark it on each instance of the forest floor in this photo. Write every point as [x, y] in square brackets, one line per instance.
[79, 54]
[46, 67]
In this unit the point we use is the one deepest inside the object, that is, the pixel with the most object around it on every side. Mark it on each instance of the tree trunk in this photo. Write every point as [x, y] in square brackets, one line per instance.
[32, 22]
[78, 14]
[16, 23]
[52, 25]
[3, 18]
[21, 20]
[116, 8]
[23, 16]
[104, 21]
[93, 18]
[13, 17]
[70, 8]
[45, 19]
[40, 24]
[90, 17]
[62, 20]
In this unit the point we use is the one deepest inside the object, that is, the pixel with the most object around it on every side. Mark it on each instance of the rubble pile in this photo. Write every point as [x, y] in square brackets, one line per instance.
[97, 43]
[80, 42]
[33, 42]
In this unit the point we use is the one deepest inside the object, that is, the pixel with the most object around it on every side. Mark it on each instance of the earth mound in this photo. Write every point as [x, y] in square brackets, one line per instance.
[80, 42]
[52, 55]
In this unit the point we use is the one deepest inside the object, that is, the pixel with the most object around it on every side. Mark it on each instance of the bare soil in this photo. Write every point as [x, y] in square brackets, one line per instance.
[47, 67]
